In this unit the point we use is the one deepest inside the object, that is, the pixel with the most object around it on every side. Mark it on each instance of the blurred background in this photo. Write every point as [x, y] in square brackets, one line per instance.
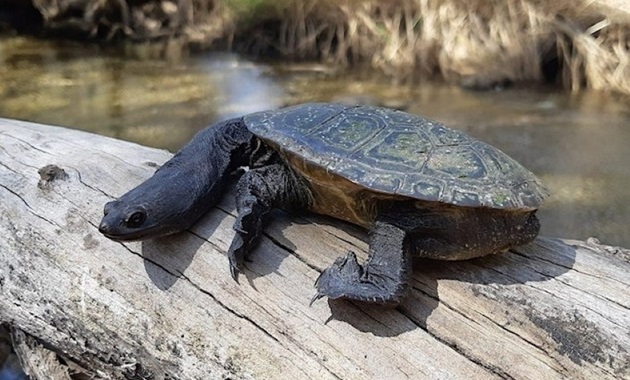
[549, 84]
[576, 142]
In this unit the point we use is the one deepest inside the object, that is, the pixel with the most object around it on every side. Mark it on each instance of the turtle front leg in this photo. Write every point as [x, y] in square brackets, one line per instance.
[383, 279]
[259, 191]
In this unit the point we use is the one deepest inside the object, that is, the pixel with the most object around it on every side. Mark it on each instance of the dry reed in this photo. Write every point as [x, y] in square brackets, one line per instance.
[484, 41]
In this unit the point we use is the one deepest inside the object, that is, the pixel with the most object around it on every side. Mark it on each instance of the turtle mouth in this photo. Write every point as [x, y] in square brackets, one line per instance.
[121, 237]
[133, 235]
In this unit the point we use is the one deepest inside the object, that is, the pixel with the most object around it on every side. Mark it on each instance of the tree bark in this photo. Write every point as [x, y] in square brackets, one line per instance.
[168, 308]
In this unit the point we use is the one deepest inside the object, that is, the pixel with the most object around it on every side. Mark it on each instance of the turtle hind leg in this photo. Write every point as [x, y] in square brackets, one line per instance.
[383, 279]
[259, 191]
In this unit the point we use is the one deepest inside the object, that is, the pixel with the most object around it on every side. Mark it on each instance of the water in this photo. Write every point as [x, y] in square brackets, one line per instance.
[577, 144]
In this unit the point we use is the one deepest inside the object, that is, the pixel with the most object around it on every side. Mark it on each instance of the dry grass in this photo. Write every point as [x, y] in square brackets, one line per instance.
[486, 41]
[474, 42]
[600, 62]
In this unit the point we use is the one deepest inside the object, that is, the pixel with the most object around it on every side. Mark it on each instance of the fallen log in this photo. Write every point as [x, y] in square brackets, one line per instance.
[168, 309]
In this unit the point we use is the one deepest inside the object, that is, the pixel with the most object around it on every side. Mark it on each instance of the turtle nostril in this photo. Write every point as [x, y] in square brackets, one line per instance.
[103, 228]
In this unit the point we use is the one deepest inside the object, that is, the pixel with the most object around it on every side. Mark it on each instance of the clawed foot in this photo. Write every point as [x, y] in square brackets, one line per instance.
[336, 280]
[246, 227]
[346, 278]
[246, 220]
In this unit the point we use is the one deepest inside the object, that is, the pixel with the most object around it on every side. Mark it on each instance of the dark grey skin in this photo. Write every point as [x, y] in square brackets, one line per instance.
[193, 181]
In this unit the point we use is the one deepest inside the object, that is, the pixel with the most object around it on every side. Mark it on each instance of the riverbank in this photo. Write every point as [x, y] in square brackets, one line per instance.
[475, 43]
[479, 44]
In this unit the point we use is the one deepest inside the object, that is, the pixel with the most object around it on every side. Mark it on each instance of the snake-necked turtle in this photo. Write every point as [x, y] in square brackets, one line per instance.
[420, 188]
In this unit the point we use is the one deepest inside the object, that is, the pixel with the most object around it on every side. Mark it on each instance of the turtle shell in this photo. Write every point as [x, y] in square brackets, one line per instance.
[397, 153]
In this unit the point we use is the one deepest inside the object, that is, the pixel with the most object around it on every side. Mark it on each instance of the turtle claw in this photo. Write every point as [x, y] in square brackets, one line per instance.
[316, 297]
[234, 271]
[236, 255]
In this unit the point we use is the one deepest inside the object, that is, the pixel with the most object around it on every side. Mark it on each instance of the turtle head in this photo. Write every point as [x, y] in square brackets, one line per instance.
[160, 206]
[183, 189]
[127, 222]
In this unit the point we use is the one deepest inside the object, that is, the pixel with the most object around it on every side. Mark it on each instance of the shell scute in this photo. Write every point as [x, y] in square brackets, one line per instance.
[397, 153]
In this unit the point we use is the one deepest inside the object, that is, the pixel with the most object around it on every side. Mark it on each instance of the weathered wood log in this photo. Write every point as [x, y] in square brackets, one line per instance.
[168, 309]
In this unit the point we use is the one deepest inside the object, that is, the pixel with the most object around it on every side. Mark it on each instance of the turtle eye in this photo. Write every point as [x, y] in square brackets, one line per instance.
[136, 219]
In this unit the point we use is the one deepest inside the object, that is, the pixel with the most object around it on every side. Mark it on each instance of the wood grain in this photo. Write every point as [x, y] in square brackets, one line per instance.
[168, 308]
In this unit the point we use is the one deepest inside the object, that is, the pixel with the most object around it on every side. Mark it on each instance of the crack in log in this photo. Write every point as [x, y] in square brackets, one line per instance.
[147, 259]
[218, 207]
[99, 152]
[340, 238]
[555, 295]
[30, 209]
[78, 172]
[69, 143]
[41, 362]
[488, 366]
[314, 354]
[356, 305]
[19, 162]
[546, 353]
[570, 268]
[212, 244]
[117, 158]
[196, 286]
[229, 309]
[27, 143]
[601, 296]
[593, 244]
[17, 195]
[291, 252]
[122, 361]
[529, 257]
[291, 339]
[209, 294]
[8, 168]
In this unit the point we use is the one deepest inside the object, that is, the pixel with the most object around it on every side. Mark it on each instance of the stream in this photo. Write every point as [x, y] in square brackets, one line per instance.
[578, 144]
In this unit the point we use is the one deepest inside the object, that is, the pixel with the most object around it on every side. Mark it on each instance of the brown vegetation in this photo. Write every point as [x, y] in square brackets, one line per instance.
[474, 42]
[477, 43]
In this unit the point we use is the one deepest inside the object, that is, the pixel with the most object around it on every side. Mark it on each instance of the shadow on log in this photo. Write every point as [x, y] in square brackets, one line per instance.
[168, 308]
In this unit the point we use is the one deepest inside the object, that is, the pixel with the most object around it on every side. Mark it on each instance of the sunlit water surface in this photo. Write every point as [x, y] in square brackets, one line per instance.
[578, 144]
